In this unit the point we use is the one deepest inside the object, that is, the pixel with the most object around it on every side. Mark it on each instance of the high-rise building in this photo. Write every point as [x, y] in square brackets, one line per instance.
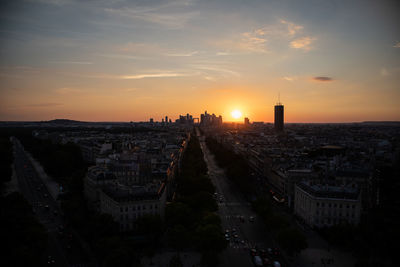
[151, 120]
[246, 121]
[166, 119]
[279, 119]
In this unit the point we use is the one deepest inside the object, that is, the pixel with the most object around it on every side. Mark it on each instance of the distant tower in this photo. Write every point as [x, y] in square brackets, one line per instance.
[246, 121]
[279, 120]
[166, 119]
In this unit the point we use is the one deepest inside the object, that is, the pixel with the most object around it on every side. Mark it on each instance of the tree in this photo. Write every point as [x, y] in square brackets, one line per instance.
[179, 237]
[210, 238]
[292, 240]
[150, 225]
[175, 261]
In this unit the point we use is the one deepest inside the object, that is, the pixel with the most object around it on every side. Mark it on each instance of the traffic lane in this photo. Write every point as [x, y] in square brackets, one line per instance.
[28, 181]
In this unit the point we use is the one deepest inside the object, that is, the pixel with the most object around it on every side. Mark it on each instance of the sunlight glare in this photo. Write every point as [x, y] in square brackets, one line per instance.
[236, 114]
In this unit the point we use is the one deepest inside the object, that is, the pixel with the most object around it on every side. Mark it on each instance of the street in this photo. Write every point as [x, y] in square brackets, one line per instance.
[235, 213]
[44, 207]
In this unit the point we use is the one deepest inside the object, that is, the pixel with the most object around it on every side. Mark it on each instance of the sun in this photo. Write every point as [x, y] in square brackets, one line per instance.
[236, 114]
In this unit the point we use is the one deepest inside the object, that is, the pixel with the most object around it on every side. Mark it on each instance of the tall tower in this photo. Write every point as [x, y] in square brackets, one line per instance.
[279, 120]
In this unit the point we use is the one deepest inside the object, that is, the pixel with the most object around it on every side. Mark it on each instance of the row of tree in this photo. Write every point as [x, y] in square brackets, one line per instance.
[288, 237]
[6, 160]
[64, 163]
[236, 167]
[25, 239]
[192, 222]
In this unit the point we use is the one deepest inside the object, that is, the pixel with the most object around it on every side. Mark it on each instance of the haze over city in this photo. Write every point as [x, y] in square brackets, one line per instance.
[330, 61]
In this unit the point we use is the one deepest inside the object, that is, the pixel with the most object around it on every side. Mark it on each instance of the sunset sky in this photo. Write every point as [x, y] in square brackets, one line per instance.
[116, 60]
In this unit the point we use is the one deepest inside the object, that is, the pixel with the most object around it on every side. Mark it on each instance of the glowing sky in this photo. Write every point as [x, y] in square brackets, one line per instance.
[116, 60]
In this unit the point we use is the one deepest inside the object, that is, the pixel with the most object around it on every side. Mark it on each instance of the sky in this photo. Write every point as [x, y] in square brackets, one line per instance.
[119, 60]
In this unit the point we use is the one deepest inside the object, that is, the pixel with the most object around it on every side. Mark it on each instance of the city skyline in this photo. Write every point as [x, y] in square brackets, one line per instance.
[135, 60]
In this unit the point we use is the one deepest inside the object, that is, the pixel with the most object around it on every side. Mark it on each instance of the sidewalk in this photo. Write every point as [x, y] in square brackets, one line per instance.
[12, 186]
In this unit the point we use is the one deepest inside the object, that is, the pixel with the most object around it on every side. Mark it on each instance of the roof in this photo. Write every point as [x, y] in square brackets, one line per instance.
[329, 191]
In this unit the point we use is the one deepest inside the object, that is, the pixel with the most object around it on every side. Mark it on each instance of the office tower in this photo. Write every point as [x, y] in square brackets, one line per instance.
[151, 120]
[246, 121]
[279, 120]
[166, 119]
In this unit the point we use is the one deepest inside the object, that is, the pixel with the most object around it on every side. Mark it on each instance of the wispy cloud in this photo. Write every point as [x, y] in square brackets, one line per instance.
[397, 45]
[253, 41]
[292, 27]
[152, 75]
[188, 54]
[68, 90]
[168, 19]
[215, 69]
[303, 43]
[72, 62]
[289, 78]
[322, 79]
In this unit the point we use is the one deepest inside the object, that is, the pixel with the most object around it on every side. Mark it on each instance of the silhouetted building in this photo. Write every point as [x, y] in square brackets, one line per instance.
[246, 121]
[279, 119]
[166, 119]
[210, 120]
[151, 120]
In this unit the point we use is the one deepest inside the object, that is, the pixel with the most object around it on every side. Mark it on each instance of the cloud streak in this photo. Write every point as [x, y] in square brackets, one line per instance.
[153, 75]
[322, 79]
[73, 62]
[303, 43]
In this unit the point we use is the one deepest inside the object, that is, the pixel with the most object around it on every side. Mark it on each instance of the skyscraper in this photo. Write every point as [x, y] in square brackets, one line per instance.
[279, 121]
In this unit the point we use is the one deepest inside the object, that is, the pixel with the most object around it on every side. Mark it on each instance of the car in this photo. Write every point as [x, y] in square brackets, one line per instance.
[251, 219]
[46, 195]
[257, 261]
[46, 207]
[253, 252]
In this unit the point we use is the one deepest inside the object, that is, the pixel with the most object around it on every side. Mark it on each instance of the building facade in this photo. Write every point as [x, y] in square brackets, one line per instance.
[279, 117]
[323, 205]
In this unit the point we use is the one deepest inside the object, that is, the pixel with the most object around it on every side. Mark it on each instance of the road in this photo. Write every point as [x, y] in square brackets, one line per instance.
[232, 206]
[45, 208]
